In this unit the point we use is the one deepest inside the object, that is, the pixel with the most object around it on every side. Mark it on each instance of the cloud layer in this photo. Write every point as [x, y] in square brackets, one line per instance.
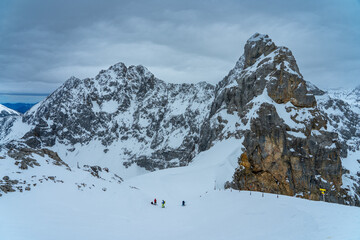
[42, 42]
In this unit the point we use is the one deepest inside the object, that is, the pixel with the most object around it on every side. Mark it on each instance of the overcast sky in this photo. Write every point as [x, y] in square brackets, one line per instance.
[44, 42]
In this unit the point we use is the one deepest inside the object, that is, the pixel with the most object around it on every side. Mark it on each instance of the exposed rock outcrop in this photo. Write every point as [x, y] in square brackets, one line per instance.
[287, 148]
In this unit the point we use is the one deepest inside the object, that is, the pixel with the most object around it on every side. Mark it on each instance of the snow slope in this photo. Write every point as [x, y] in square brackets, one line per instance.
[60, 211]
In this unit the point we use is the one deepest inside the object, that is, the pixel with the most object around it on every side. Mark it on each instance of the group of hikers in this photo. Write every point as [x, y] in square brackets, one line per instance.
[163, 203]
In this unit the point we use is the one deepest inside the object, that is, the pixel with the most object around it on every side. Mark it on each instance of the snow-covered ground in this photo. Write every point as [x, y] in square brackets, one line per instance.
[60, 211]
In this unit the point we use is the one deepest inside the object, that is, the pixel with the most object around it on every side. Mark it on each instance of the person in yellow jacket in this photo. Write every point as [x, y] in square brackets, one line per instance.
[163, 204]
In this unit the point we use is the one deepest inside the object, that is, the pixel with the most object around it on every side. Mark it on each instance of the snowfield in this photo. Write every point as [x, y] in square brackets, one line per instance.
[60, 211]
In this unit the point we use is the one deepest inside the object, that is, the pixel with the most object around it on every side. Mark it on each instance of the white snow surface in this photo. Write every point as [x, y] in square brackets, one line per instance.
[123, 211]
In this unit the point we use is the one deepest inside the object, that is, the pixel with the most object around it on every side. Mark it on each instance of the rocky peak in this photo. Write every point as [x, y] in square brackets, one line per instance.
[141, 78]
[257, 45]
[119, 67]
[263, 66]
[140, 71]
[119, 71]
[278, 66]
[71, 83]
[286, 83]
[264, 102]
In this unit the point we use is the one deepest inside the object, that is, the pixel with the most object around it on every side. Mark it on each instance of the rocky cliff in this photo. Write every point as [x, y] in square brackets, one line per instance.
[287, 147]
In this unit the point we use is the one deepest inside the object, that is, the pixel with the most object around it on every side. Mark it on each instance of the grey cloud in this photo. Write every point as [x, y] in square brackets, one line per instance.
[42, 43]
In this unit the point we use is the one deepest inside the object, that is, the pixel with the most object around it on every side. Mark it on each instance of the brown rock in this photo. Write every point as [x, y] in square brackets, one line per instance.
[272, 163]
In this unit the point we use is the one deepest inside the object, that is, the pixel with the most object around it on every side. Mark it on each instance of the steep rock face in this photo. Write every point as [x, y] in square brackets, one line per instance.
[263, 65]
[287, 148]
[154, 123]
[286, 83]
[276, 161]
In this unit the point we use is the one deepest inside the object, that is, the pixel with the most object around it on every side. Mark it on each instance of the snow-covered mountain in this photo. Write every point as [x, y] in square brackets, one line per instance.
[125, 122]
[5, 111]
[127, 110]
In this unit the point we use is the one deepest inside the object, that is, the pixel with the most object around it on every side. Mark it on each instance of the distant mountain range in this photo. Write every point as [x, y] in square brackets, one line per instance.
[19, 107]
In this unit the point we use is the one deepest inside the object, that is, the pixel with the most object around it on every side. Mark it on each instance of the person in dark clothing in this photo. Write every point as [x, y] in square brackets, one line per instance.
[183, 203]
